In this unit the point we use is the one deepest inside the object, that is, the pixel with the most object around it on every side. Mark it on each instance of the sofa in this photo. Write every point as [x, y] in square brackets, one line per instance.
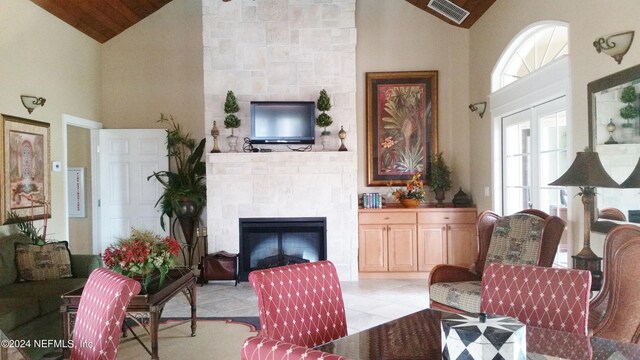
[30, 309]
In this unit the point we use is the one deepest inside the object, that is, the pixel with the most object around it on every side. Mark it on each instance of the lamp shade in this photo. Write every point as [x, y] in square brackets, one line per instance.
[633, 181]
[586, 170]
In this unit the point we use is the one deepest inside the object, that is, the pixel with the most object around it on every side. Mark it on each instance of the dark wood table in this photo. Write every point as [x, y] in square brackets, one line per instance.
[145, 308]
[417, 336]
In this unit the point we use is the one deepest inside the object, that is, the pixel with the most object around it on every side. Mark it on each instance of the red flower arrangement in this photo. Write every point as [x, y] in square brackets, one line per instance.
[142, 254]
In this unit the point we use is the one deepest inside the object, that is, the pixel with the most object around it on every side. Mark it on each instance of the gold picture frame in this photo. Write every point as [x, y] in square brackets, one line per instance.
[402, 125]
[26, 169]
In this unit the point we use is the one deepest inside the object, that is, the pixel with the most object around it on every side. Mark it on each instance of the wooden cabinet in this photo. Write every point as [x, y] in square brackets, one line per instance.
[387, 242]
[447, 236]
[415, 240]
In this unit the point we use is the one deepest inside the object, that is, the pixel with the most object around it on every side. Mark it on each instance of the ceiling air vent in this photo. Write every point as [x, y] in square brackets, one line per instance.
[449, 10]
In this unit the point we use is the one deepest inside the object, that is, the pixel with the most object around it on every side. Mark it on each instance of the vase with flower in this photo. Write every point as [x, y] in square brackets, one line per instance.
[143, 254]
[413, 194]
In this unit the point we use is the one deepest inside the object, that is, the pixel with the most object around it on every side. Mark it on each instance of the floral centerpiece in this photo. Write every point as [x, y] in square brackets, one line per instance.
[142, 254]
[413, 194]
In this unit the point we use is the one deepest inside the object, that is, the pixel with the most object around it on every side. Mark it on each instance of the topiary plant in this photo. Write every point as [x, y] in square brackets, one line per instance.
[440, 174]
[324, 104]
[628, 96]
[231, 107]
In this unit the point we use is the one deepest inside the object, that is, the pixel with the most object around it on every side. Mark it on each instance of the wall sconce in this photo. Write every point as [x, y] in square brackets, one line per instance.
[479, 108]
[615, 45]
[32, 102]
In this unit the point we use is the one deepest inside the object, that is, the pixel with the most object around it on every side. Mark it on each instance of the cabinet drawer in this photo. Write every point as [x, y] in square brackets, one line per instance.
[387, 218]
[447, 217]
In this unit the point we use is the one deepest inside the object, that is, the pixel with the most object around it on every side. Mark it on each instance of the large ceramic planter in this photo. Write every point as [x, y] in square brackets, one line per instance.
[410, 203]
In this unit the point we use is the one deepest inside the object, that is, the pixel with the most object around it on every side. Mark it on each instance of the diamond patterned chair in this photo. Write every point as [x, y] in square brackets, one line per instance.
[261, 348]
[615, 311]
[551, 298]
[529, 237]
[101, 311]
[300, 304]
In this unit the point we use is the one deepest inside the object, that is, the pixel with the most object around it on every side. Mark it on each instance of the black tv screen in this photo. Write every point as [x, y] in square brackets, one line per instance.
[283, 122]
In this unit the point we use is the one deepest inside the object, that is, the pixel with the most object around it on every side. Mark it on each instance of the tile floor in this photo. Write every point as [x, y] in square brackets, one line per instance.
[368, 302]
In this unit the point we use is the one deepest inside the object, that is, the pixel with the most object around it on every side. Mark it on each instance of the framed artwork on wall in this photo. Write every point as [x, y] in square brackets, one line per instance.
[25, 171]
[76, 192]
[402, 125]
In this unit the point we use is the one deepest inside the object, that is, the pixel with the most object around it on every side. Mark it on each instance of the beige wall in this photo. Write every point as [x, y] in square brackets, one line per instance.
[156, 67]
[79, 155]
[397, 36]
[41, 55]
[587, 21]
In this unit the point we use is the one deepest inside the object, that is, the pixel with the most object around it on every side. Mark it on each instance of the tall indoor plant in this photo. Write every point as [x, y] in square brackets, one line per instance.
[440, 180]
[629, 111]
[184, 184]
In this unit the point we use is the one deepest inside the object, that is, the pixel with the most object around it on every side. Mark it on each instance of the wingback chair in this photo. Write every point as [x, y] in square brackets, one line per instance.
[261, 348]
[300, 304]
[101, 311]
[550, 298]
[615, 311]
[529, 237]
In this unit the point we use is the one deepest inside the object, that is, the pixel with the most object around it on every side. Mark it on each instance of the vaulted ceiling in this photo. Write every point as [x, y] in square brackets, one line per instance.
[104, 19]
[101, 19]
[476, 9]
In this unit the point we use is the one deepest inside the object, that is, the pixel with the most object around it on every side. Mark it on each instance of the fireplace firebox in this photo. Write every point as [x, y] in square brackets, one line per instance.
[272, 242]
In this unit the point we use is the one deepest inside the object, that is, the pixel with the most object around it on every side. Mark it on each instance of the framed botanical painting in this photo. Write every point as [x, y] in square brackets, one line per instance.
[25, 171]
[402, 125]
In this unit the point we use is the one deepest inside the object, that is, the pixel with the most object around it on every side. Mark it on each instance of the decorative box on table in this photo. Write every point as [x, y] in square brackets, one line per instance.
[483, 337]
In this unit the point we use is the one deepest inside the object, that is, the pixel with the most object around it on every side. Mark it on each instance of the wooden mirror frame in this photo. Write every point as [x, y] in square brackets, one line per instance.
[594, 87]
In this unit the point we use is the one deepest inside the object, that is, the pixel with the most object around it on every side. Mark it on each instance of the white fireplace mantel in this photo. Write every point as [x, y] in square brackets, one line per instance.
[286, 184]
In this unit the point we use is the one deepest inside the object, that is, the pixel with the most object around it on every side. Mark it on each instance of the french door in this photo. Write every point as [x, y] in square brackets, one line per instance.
[534, 153]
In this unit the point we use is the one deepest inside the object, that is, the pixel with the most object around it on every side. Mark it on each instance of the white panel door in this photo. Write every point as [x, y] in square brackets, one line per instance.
[127, 199]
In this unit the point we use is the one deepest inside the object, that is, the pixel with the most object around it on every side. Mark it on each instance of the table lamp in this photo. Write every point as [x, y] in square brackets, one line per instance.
[587, 173]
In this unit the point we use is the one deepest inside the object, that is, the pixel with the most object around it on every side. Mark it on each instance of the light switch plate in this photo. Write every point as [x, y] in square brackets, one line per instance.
[56, 166]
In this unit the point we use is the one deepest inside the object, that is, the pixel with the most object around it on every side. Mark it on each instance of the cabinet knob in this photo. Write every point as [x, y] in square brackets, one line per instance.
[386, 218]
[446, 218]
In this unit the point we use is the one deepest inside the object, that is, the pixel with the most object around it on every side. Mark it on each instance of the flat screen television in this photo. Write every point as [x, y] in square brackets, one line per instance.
[283, 122]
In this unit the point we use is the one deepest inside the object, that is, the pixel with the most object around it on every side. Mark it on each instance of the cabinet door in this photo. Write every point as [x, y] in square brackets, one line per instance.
[432, 246]
[402, 248]
[462, 244]
[372, 247]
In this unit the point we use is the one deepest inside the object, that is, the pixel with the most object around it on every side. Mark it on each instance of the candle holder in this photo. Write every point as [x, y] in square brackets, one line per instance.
[342, 135]
[215, 133]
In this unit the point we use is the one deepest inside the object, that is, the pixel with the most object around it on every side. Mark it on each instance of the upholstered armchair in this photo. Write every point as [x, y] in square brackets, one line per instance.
[611, 214]
[615, 311]
[300, 304]
[550, 298]
[261, 348]
[529, 237]
[101, 312]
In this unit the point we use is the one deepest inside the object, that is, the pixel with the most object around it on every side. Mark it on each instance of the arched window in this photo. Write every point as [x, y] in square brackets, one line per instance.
[534, 48]
[531, 127]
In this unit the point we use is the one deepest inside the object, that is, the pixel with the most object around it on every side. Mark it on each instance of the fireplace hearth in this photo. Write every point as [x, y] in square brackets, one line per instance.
[272, 242]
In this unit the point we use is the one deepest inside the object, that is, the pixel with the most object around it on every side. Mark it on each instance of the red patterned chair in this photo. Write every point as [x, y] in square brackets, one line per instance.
[550, 298]
[529, 237]
[300, 304]
[101, 312]
[261, 348]
[615, 311]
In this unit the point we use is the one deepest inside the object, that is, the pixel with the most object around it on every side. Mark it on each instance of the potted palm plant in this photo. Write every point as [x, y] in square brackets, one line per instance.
[185, 189]
[440, 180]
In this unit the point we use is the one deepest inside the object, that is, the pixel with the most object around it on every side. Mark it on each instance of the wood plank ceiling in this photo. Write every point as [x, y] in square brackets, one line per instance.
[101, 19]
[104, 19]
[476, 9]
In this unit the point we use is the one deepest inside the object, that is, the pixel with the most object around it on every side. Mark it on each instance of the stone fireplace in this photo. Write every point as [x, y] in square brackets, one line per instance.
[317, 184]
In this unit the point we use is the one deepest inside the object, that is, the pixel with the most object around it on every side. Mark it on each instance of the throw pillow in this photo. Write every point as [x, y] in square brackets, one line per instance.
[516, 240]
[46, 262]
